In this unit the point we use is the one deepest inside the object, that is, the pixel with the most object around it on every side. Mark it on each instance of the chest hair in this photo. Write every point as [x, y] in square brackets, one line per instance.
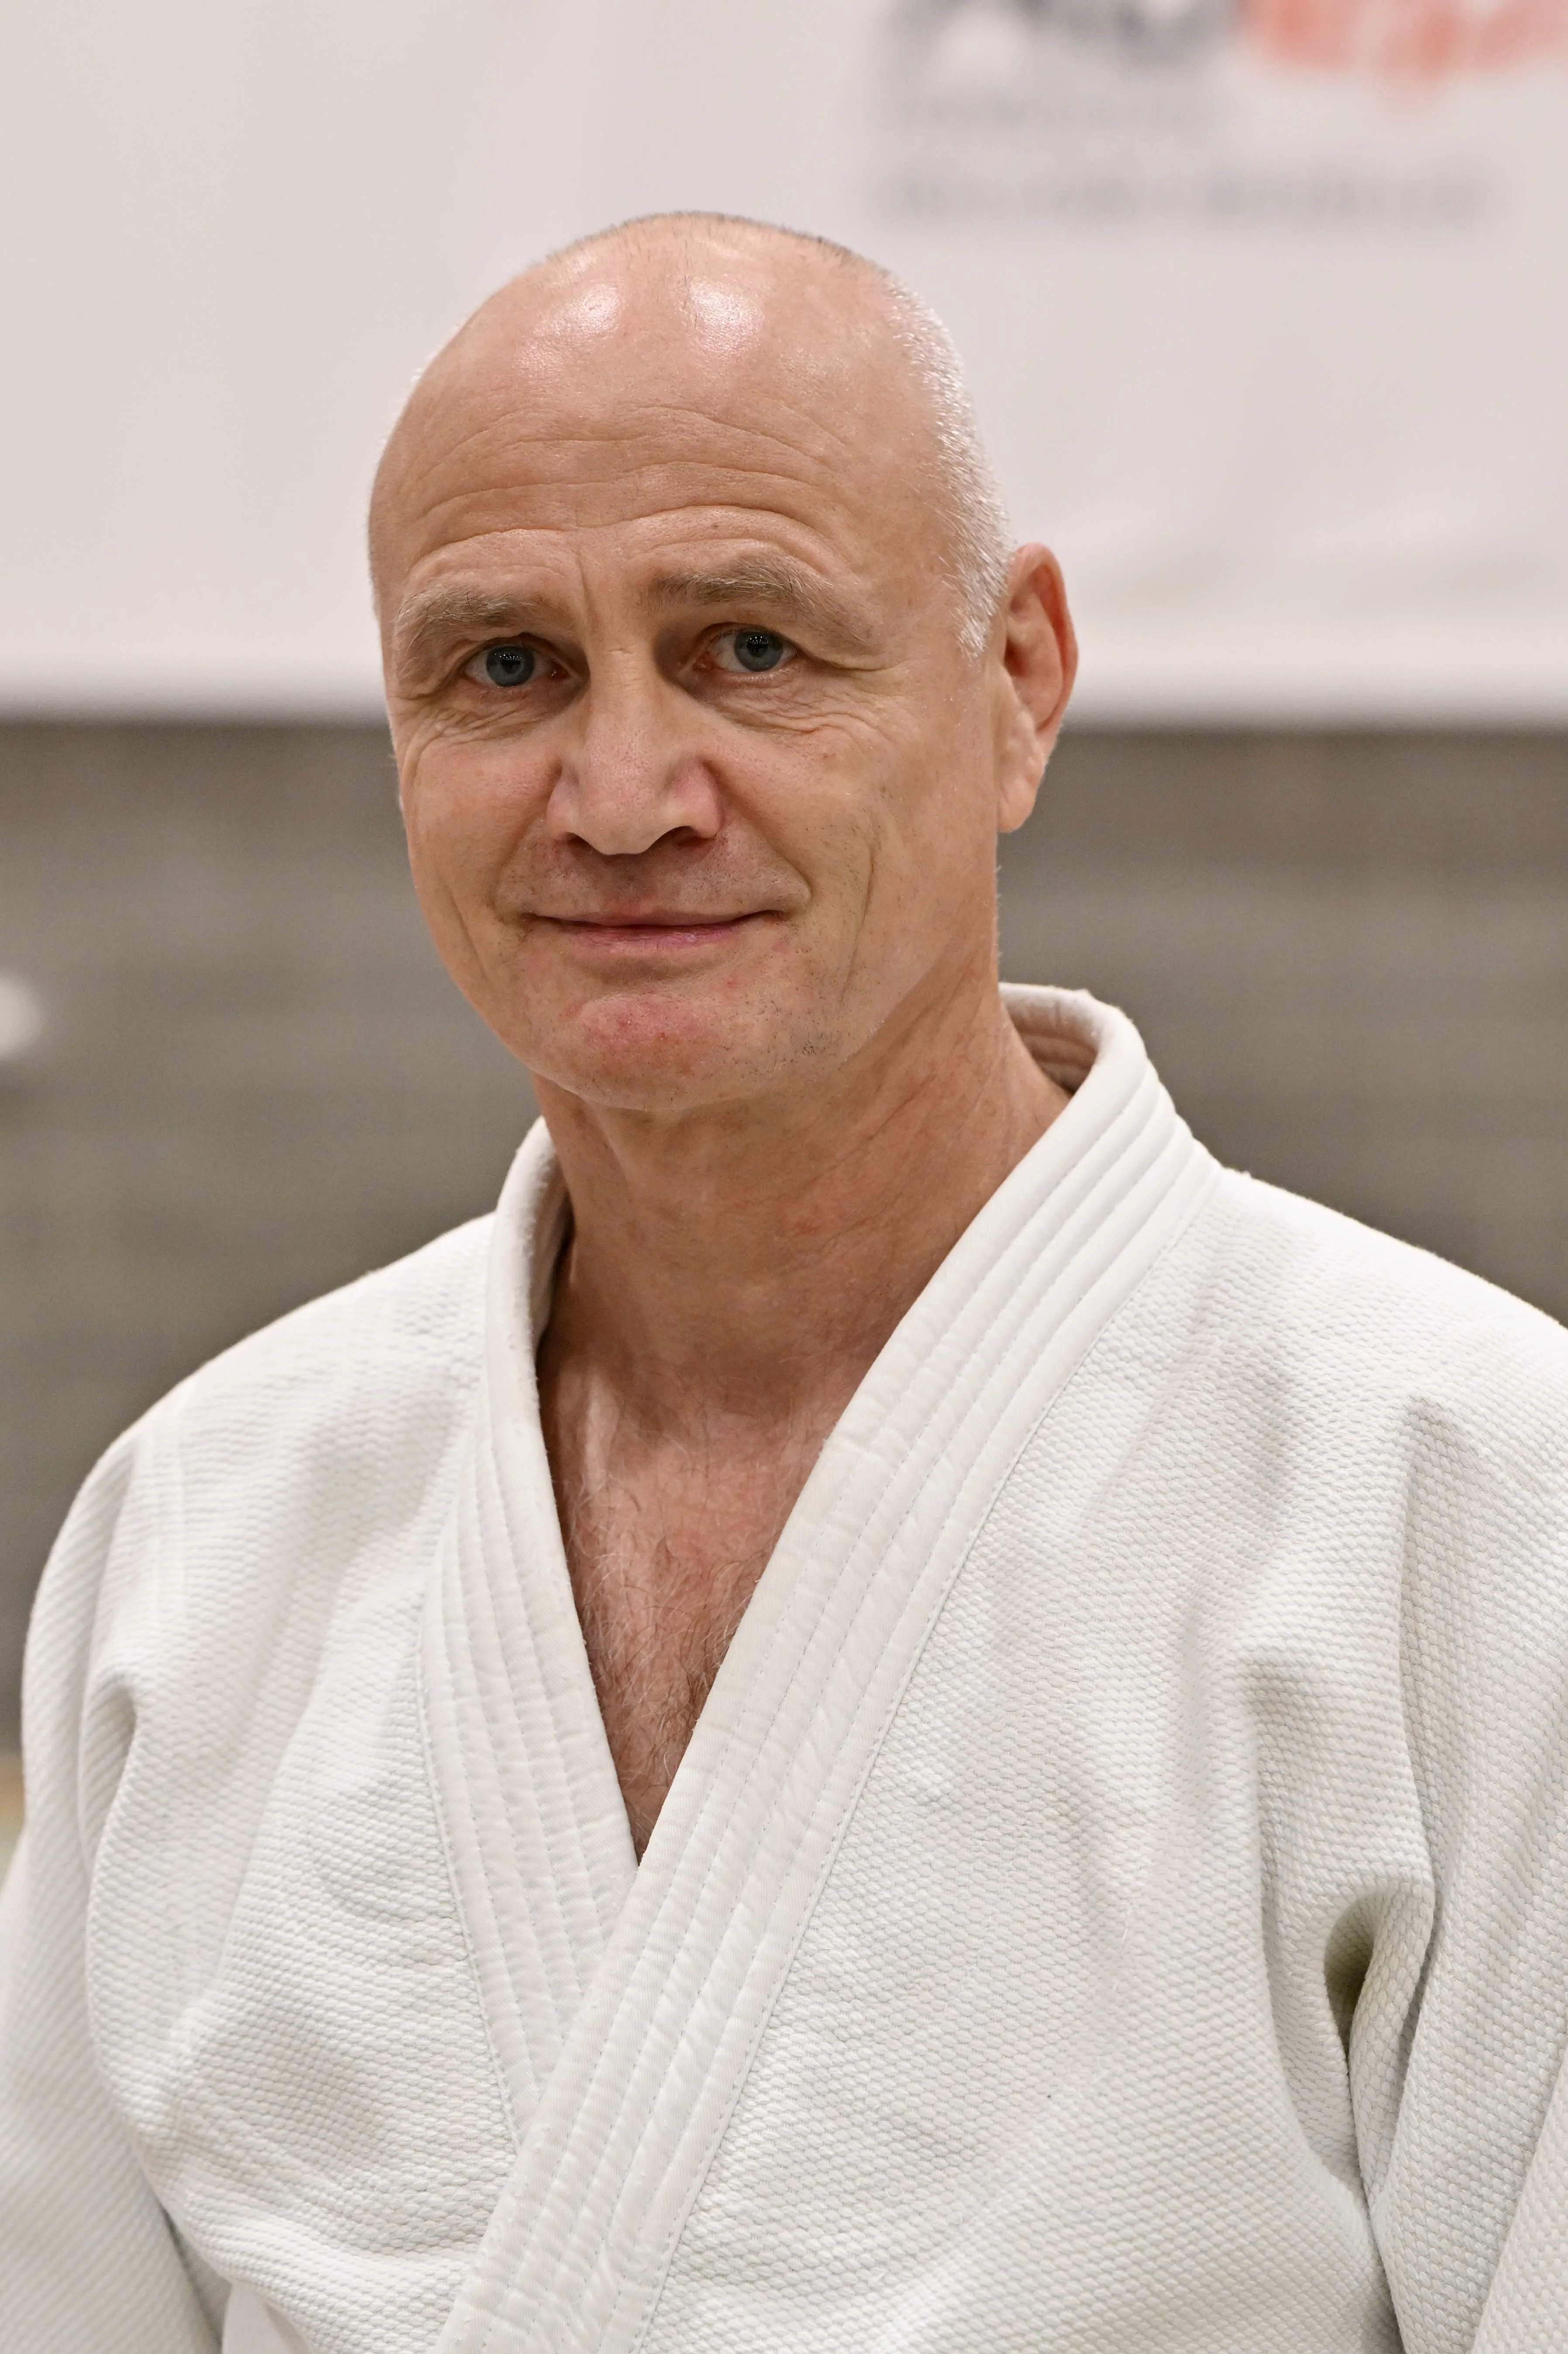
[665, 1545]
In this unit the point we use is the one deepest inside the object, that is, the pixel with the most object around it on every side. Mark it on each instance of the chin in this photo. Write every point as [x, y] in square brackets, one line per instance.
[647, 1052]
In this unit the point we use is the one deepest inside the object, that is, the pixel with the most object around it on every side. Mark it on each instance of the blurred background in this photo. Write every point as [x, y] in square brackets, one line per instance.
[1264, 305]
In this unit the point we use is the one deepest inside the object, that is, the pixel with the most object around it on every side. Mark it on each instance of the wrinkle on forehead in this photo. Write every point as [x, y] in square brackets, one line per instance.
[648, 456]
[516, 474]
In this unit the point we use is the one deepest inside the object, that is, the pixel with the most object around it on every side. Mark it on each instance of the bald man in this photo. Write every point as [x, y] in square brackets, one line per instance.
[891, 1713]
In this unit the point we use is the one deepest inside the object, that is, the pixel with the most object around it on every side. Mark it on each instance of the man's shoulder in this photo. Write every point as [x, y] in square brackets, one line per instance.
[279, 1464]
[415, 1324]
[1364, 1309]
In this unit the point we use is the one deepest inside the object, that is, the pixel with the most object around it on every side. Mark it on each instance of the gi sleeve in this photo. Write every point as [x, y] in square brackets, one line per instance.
[87, 2258]
[1471, 2205]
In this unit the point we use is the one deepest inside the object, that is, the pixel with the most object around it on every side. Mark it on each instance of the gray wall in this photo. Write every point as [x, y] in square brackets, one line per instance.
[1350, 957]
[1349, 953]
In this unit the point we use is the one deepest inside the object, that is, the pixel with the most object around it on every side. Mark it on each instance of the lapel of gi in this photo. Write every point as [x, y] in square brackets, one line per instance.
[538, 1841]
[662, 1978]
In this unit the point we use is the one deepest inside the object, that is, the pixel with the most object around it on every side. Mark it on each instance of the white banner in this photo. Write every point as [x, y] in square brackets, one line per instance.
[1264, 301]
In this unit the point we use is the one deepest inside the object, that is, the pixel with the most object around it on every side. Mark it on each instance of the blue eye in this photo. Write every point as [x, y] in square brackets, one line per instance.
[759, 649]
[510, 665]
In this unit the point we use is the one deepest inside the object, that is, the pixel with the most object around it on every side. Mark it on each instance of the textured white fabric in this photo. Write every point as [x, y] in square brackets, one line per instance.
[1116, 1898]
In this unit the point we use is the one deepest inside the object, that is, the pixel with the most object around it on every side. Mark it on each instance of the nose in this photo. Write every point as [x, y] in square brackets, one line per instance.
[629, 776]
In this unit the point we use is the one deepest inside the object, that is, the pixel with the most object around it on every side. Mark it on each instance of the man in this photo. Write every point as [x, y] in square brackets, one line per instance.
[892, 1712]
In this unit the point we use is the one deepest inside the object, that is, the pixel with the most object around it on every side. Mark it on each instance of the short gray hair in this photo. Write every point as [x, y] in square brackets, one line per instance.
[979, 533]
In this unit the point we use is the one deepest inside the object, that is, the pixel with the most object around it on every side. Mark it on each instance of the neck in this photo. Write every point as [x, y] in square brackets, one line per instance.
[750, 1262]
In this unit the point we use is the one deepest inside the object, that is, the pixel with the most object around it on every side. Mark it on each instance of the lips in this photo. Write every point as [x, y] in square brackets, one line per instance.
[672, 921]
[659, 939]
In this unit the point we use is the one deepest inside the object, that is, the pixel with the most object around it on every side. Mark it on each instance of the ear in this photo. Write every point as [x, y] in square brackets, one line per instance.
[1039, 661]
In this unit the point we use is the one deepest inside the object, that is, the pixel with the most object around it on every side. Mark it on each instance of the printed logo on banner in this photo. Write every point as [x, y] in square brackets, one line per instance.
[1413, 41]
[1320, 112]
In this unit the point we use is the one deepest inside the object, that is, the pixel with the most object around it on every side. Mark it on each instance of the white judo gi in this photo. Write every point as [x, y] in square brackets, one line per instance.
[1115, 1901]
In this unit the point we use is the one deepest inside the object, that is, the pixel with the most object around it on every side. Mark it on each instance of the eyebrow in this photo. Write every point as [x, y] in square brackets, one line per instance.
[431, 622]
[771, 582]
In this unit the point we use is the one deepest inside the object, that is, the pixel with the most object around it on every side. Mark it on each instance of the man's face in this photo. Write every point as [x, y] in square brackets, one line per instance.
[700, 787]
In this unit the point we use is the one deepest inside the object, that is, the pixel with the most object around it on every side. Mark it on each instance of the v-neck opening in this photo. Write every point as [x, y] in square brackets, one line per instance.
[1064, 1052]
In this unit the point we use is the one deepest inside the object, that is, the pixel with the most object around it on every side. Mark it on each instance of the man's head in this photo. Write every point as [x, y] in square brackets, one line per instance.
[711, 679]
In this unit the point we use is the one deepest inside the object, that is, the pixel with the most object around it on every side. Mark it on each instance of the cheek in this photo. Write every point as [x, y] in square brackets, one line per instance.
[465, 807]
[934, 819]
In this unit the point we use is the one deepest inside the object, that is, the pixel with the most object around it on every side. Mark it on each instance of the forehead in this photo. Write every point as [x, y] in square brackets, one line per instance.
[704, 409]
